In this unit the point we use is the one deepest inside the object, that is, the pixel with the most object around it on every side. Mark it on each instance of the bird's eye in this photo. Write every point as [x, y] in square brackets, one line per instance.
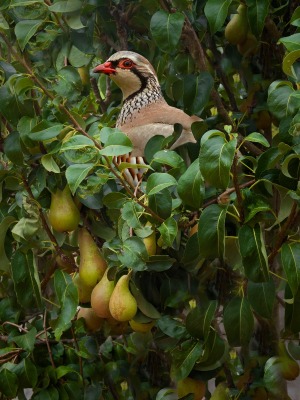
[126, 63]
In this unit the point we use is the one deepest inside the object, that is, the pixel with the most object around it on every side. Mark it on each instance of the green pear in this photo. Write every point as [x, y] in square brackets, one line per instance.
[190, 385]
[64, 216]
[84, 291]
[237, 28]
[122, 304]
[101, 295]
[288, 366]
[92, 264]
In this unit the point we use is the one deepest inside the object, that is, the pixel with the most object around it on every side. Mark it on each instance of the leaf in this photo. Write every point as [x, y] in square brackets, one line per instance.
[257, 137]
[25, 29]
[199, 319]
[288, 62]
[27, 373]
[253, 252]
[211, 231]
[159, 181]
[76, 142]
[67, 298]
[25, 275]
[171, 327]
[257, 13]
[4, 225]
[3, 23]
[131, 213]
[279, 99]
[159, 263]
[184, 358]
[166, 29]
[168, 230]
[45, 131]
[27, 340]
[144, 305]
[191, 186]
[133, 254]
[12, 148]
[171, 158]
[49, 164]
[66, 6]
[213, 354]
[76, 173]
[161, 203]
[8, 383]
[216, 13]
[292, 315]
[261, 296]
[292, 42]
[117, 144]
[238, 321]
[197, 91]
[216, 157]
[290, 260]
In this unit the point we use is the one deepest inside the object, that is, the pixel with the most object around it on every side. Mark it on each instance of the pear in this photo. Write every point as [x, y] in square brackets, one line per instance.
[64, 216]
[101, 295]
[249, 46]
[288, 366]
[84, 291]
[93, 323]
[150, 241]
[141, 327]
[92, 264]
[237, 28]
[190, 385]
[221, 392]
[122, 304]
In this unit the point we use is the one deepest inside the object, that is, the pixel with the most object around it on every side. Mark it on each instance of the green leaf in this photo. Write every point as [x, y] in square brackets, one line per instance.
[4, 225]
[8, 383]
[168, 230]
[133, 254]
[76, 142]
[197, 91]
[76, 173]
[292, 315]
[131, 213]
[67, 298]
[216, 157]
[279, 99]
[191, 186]
[66, 6]
[213, 354]
[159, 181]
[257, 13]
[292, 42]
[3, 23]
[290, 260]
[27, 373]
[199, 319]
[25, 29]
[45, 131]
[184, 358]
[66, 369]
[288, 62]
[144, 305]
[115, 200]
[161, 203]
[238, 321]
[24, 274]
[211, 231]
[27, 340]
[12, 148]
[257, 137]
[49, 164]
[159, 262]
[166, 29]
[253, 252]
[117, 144]
[253, 204]
[171, 158]
[261, 296]
[171, 327]
[216, 13]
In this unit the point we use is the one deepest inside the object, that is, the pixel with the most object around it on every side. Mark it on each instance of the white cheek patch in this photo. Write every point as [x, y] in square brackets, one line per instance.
[127, 80]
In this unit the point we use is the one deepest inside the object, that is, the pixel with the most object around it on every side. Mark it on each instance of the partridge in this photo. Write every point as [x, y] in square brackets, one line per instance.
[144, 112]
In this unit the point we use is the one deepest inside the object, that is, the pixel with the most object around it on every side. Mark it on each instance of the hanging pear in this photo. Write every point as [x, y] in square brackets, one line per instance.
[101, 295]
[237, 28]
[122, 304]
[84, 291]
[64, 216]
[92, 264]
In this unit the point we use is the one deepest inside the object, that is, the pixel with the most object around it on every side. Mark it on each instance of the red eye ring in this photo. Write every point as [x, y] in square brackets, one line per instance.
[127, 63]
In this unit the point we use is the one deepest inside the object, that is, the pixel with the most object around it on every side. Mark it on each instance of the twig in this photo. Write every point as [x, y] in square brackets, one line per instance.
[237, 188]
[47, 342]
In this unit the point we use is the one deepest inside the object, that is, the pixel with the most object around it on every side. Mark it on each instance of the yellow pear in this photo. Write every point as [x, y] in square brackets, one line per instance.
[101, 295]
[92, 264]
[249, 46]
[220, 392]
[237, 28]
[122, 304]
[190, 385]
[288, 366]
[141, 327]
[64, 216]
[92, 322]
[150, 241]
[84, 291]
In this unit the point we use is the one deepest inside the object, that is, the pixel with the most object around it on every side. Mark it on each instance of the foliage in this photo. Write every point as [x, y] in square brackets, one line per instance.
[215, 290]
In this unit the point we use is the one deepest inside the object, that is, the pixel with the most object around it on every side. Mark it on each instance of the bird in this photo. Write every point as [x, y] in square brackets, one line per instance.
[144, 113]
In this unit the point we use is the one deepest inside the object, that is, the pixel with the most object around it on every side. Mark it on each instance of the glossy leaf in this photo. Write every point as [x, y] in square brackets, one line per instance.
[27, 340]
[76, 173]
[290, 259]
[279, 100]
[191, 186]
[25, 30]
[216, 157]
[289, 61]
[292, 43]
[238, 321]
[117, 144]
[261, 296]
[161, 203]
[76, 142]
[292, 316]
[257, 13]
[211, 231]
[66, 6]
[253, 252]
[133, 254]
[168, 230]
[166, 29]
[216, 13]
[171, 327]
[8, 383]
[184, 358]
[45, 131]
[4, 226]
[159, 181]
[199, 319]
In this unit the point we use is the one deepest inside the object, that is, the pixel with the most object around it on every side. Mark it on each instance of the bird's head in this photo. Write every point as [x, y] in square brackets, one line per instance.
[129, 70]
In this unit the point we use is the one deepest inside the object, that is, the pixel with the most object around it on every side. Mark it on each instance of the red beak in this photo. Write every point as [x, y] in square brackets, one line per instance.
[105, 68]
